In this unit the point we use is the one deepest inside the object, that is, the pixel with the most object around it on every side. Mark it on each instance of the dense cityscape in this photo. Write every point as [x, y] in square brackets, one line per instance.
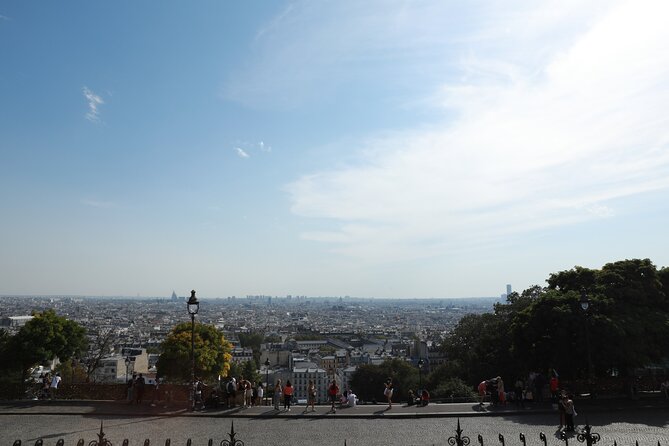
[311, 338]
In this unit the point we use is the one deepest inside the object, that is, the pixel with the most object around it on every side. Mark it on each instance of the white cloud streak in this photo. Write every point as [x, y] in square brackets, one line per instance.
[241, 152]
[549, 140]
[94, 101]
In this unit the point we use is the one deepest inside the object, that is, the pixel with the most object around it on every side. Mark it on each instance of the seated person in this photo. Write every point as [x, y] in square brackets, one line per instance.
[424, 397]
[343, 401]
[213, 400]
[352, 399]
[412, 398]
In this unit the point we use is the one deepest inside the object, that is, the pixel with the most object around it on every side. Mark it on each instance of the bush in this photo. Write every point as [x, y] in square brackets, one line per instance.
[453, 388]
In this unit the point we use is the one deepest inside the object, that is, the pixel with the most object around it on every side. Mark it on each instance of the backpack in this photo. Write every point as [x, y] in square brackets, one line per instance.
[231, 387]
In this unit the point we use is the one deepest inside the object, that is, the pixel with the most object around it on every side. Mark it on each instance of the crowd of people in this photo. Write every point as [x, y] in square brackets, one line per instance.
[48, 385]
[531, 390]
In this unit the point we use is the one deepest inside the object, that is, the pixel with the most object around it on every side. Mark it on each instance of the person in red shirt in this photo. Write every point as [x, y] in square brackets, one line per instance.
[555, 387]
[287, 395]
[333, 390]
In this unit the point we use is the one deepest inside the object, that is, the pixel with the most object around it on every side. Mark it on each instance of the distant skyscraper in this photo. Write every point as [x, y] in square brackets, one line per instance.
[174, 296]
[508, 289]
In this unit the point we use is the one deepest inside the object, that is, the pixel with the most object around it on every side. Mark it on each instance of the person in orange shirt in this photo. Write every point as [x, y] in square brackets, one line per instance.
[287, 395]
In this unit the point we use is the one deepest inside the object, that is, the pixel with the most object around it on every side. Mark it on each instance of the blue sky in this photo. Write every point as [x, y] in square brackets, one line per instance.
[329, 148]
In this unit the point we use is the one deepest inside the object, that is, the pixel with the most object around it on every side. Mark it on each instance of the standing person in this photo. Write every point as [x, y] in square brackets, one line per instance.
[501, 391]
[254, 394]
[46, 382]
[311, 396]
[259, 394]
[569, 412]
[129, 386]
[248, 392]
[139, 388]
[231, 389]
[277, 394]
[287, 395]
[55, 382]
[198, 387]
[562, 410]
[388, 392]
[333, 390]
[664, 388]
[554, 385]
[482, 391]
[518, 392]
[539, 384]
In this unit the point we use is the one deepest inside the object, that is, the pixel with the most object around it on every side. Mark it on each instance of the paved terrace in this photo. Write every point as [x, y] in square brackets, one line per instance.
[619, 420]
[398, 411]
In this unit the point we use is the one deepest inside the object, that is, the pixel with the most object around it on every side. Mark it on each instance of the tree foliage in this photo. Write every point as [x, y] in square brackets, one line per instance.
[46, 337]
[212, 353]
[627, 324]
[368, 380]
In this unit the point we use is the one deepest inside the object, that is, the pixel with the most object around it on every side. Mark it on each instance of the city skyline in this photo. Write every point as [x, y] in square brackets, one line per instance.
[339, 148]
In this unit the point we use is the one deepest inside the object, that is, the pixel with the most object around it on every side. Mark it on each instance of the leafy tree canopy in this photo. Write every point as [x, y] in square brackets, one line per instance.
[46, 337]
[212, 353]
[368, 380]
[626, 324]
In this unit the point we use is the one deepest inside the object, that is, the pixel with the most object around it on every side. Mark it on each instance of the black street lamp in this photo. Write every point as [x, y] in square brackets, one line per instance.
[193, 307]
[585, 304]
[266, 381]
[420, 374]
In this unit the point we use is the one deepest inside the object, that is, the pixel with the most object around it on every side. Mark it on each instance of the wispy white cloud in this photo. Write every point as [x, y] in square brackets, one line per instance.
[558, 137]
[94, 101]
[241, 152]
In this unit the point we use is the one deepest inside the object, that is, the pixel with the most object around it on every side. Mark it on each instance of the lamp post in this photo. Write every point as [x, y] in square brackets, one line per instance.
[420, 374]
[193, 306]
[585, 304]
[266, 381]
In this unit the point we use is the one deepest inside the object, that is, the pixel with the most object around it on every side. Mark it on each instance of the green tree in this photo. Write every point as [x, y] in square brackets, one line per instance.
[627, 321]
[212, 353]
[251, 340]
[45, 337]
[368, 380]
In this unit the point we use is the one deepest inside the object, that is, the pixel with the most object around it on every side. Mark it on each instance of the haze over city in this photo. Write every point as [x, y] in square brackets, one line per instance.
[373, 149]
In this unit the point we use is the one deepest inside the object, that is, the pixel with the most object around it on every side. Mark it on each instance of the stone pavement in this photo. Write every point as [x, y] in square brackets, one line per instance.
[398, 411]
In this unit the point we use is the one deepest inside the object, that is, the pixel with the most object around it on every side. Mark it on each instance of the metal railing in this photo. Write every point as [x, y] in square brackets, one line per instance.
[104, 441]
[585, 435]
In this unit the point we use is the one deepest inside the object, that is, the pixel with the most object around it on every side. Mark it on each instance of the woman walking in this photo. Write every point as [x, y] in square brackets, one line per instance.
[388, 392]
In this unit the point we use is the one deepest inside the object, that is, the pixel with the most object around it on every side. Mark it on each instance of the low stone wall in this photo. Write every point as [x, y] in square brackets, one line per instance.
[97, 391]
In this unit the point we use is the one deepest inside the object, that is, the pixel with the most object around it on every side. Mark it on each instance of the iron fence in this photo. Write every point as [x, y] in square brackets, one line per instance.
[585, 436]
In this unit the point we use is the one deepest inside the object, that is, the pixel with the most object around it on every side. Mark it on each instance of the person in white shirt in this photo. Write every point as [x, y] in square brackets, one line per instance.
[55, 382]
[261, 393]
[352, 399]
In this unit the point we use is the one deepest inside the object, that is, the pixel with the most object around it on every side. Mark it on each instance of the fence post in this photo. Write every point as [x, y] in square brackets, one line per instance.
[459, 439]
